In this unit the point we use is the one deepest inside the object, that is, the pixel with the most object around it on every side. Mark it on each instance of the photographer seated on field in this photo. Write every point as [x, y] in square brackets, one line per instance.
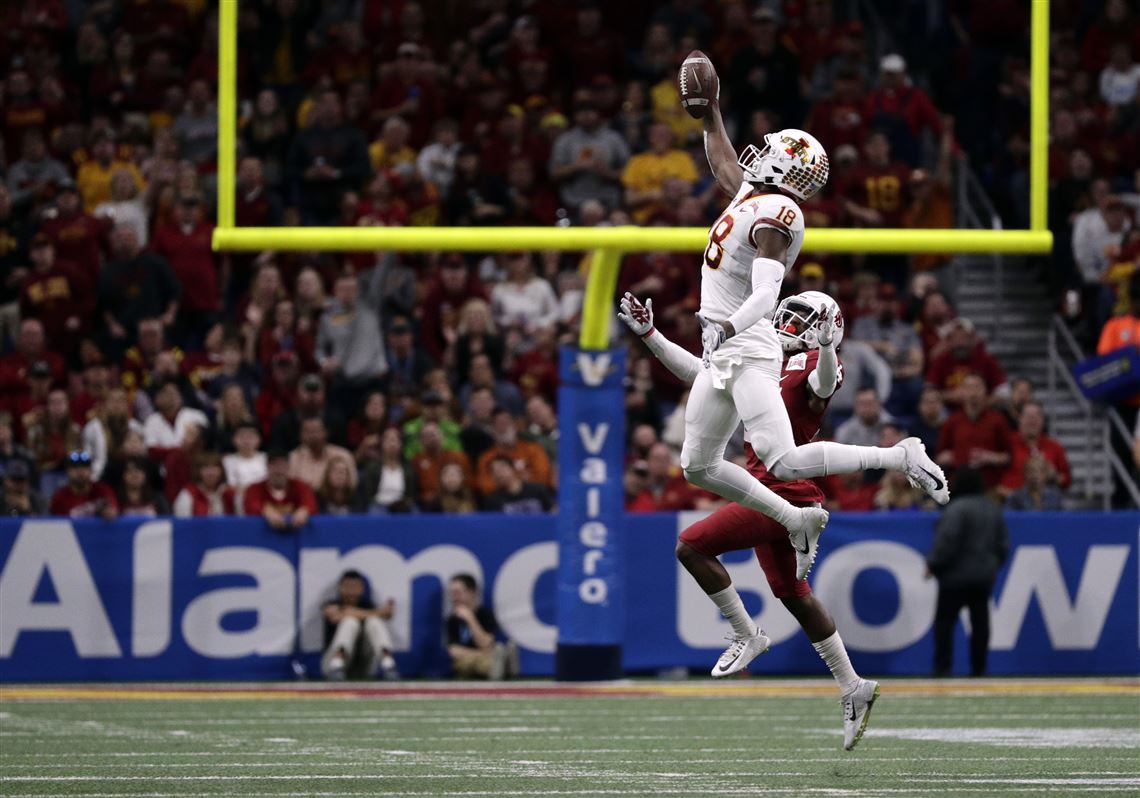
[471, 630]
[357, 640]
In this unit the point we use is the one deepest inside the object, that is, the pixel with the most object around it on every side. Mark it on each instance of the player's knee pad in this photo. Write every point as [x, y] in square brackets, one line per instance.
[783, 466]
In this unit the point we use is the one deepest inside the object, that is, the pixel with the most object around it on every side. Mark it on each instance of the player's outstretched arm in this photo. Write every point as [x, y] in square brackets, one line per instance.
[639, 319]
[720, 152]
[767, 277]
[825, 377]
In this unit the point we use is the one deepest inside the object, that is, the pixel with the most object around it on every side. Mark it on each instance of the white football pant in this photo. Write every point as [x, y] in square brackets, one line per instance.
[751, 394]
[375, 640]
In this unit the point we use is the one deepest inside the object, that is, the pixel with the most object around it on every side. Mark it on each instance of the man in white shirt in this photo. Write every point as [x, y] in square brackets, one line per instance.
[248, 464]
[166, 428]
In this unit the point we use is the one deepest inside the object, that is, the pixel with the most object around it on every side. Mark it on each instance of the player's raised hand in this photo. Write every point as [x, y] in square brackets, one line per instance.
[638, 317]
[713, 335]
[825, 331]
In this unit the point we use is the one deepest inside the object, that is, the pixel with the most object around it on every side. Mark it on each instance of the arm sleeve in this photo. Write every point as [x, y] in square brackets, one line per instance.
[824, 378]
[767, 277]
[684, 365]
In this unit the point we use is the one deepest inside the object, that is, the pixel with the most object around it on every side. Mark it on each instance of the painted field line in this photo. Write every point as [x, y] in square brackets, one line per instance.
[738, 688]
[855, 792]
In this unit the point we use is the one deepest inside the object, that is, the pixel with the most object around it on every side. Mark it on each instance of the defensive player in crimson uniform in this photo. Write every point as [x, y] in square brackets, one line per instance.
[809, 326]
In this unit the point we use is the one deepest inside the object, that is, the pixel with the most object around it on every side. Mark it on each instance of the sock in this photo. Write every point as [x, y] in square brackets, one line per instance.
[834, 653]
[825, 458]
[732, 608]
[734, 483]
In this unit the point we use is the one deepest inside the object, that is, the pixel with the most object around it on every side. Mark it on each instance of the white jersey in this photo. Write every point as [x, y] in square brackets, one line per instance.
[726, 276]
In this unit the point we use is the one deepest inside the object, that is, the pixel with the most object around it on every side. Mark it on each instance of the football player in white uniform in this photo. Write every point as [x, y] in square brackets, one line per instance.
[751, 246]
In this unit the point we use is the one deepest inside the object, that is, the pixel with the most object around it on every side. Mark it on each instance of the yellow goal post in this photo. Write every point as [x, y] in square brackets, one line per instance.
[610, 243]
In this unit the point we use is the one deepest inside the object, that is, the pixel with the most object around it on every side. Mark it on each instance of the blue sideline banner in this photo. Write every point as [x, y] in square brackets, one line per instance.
[230, 599]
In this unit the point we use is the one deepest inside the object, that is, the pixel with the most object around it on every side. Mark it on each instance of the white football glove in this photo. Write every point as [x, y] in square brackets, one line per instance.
[825, 332]
[713, 335]
[638, 317]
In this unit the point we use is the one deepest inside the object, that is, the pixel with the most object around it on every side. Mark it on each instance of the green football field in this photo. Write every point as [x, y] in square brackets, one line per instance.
[755, 736]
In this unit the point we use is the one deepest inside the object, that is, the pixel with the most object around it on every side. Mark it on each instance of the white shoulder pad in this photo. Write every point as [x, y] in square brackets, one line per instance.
[776, 212]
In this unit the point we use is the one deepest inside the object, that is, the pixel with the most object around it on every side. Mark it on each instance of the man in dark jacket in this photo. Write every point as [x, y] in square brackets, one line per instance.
[971, 543]
[326, 159]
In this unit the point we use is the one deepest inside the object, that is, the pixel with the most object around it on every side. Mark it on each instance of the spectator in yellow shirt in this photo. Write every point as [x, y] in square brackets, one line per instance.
[658, 178]
[391, 150]
[94, 178]
[666, 102]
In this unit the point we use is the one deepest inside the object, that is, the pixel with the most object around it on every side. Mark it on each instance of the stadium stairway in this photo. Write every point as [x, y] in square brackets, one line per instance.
[1013, 311]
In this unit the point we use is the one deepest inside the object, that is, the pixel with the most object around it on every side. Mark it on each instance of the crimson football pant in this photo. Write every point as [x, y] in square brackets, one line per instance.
[736, 528]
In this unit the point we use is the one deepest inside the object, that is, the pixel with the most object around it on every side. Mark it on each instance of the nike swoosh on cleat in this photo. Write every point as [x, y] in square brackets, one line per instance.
[937, 482]
[723, 668]
[804, 550]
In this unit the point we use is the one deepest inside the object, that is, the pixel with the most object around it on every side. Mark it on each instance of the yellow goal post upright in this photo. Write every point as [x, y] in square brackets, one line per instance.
[590, 612]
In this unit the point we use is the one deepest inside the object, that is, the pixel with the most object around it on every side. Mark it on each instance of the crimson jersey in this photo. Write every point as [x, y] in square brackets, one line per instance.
[805, 425]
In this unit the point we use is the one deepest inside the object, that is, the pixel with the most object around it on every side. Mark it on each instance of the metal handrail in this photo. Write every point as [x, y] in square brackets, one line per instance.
[971, 191]
[1058, 365]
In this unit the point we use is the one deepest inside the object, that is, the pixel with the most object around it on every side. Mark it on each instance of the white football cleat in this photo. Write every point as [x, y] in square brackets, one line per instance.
[922, 472]
[857, 711]
[805, 538]
[740, 652]
[337, 669]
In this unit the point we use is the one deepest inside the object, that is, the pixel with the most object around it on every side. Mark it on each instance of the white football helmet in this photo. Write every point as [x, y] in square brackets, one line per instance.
[791, 160]
[797, 320]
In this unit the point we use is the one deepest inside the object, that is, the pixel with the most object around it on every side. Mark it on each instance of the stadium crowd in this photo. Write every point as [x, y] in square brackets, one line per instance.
[146, 374]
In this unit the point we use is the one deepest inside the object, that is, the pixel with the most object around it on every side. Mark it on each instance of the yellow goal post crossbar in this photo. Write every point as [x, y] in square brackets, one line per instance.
[609, 243]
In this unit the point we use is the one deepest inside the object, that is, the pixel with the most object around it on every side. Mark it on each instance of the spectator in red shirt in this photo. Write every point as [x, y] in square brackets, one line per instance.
[408, 93]
[976, 435]
[140, 363]
[185, 243]
[668, 277]
[839, 119]
[80, 497]
[54, 434]
[933, 312]
[136, 285]
[589, 49]
[285, 504]
[279, 394]
[208, 494]
[875, 188]
[281, 332]
[58, 295]
[851, 492]
[965, 354]
[664, 487]
[31, 347]
[1030, 440]
[902, 109]
[441, 307]
[255, 205]
[22, 110]
[79, 237]
[28, 406]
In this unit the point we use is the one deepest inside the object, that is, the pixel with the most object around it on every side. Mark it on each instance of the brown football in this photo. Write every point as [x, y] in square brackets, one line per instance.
[697, 84]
